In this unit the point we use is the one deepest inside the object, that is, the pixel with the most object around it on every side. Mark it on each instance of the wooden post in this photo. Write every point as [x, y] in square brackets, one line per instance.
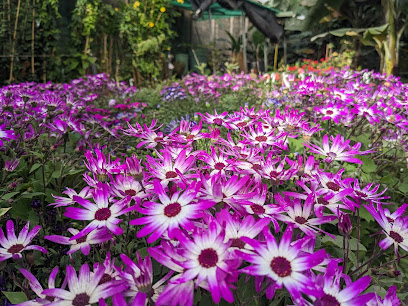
[105, 52]
[14, 41]
[275, 61]
[285, 50]
[244, 42]
[32, 41]
[265, 55]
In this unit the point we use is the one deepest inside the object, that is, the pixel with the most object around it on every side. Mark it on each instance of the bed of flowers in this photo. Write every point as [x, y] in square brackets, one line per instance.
[299, 200]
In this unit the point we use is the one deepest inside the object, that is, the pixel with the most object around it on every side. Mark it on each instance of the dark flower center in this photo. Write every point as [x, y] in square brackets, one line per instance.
[329, 112]
[360, 194]
[218, 121]
[103, 214]
[15, 248]
[171, 174]
[261, 138]
[208, 258]
[172, 210]
[256, 167]
[105, 278]
[219, 166]
[332, 156]
[158, 139]
[333, 186]
[81, 299]
[190, 137]
[102, 177]
[237, 243]
[257, 209]
[50, 298]
[130, 192]
[81, 240]
[322, 201]
[300, 220]
[281, 266]
[242, 124]
[397, 237]
[389, 219]
[273, 174]
[327, 300]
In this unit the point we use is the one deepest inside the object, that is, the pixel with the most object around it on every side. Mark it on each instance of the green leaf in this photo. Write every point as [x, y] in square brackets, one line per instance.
[21, 209]
[296, 145]
[35, 167]
[3, 211]
[8, 196]
[339, 242]
[143, 252]
[369, 165]
[28, 195]
[389, 179]
[39, 155]
[403, 188]
[15, 297]
[364, 214]
[56, 174]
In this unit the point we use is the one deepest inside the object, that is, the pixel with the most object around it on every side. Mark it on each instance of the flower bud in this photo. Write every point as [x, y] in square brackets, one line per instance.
[345, 227]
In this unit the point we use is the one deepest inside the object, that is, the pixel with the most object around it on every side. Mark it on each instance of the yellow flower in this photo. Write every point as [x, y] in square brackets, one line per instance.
[116, 9]
[136, 4]
[180, 1]
[151, 24]
[162, 9]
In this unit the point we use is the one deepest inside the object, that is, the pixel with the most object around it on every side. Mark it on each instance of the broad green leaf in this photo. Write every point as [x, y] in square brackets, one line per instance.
[364, 214]
[296, 145]
[15, 297]
[389, 179]
[8, 196]
[28, 195]
[403, 188]
[369, 165]
[35, 167]
[38, 154]
[339, 242]
[143, 252]
[3, 211]
[56, 174]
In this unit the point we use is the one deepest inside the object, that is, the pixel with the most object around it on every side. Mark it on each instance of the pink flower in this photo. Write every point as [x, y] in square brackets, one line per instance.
[283, 264]
[103, 213]
[170, 213]
[102, 167]
[97, 236]
[340, 149]
[13, 246]
[208, 260]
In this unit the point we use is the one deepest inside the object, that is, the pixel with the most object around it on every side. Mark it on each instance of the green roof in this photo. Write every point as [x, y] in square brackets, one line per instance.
[217, 11]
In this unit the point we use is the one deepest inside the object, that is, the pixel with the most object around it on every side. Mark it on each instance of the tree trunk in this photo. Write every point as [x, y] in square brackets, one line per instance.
[391, 52]
[356, 56]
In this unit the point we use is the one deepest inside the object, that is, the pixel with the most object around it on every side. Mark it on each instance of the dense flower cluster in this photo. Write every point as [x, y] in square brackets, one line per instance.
[201, 87]
[173, 93]
[223, 202]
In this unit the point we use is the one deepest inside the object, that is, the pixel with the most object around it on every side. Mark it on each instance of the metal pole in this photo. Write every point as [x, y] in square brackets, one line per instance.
[244, 42]
[265, 55]
[211, 41]
[211, 28]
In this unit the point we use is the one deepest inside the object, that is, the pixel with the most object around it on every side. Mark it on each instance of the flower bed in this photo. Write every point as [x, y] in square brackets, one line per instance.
[301, 205]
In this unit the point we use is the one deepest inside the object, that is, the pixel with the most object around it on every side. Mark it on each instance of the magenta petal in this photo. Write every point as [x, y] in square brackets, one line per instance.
[58, 239]
[36, 247]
